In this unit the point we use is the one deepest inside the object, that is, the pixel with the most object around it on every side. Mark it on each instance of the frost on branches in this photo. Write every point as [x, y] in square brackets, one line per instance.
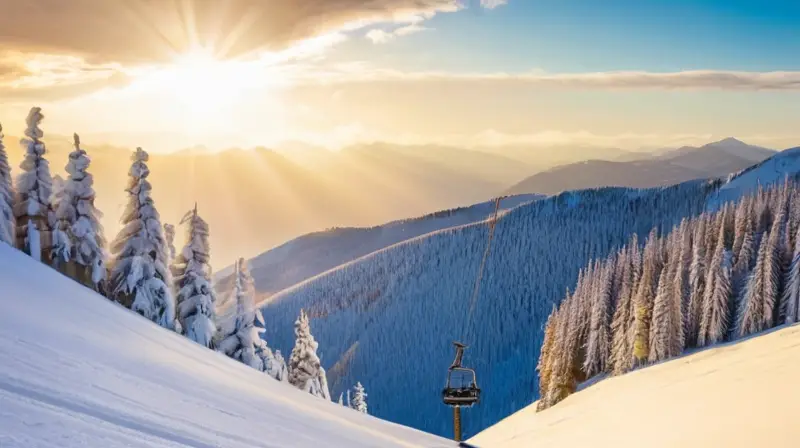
[714, 278]
[359, 399]
[34, 186]
[138, 275]
[241, 327]
[195, 296]
[78, 242]
[305, 371]
[7, 221]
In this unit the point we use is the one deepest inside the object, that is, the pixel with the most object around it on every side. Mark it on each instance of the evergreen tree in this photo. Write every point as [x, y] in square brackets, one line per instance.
[667, 324]
[750, 316]
[7, 220]
[341, 399]
[276, 367]
[774, 271]
[34, 186]
[598, 347]
[195, 296]
[241, 329]
[305, 369]
[545, 364]
[169, 236]
[716, 312]
[697, 284]
[645, 296]
[680, 286]
[138, 270]
[360, 399]
[620, 349]
[78, 241]
[791, 294]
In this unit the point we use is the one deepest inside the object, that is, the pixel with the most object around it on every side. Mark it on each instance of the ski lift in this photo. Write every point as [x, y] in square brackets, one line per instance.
[462, 387]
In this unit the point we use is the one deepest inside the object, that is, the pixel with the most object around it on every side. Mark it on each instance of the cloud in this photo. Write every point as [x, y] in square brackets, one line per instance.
[378, 36]
[684, 80]
[155, 30]
[491, 4]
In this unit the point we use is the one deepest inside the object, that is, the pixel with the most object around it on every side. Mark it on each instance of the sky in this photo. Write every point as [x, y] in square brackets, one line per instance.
[623, 73]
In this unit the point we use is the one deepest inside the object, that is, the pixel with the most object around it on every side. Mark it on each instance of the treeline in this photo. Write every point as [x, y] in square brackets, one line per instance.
[55, 221]
[717, 277]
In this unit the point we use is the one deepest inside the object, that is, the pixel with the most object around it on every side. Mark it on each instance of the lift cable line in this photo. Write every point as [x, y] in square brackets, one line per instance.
[462, 388]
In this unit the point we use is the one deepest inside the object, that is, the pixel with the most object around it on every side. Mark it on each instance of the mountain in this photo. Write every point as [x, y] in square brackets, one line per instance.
[256, 199]
[543, 157]
[733, 395]
[668, 168]
[406, 303]
[315, 253]
[79, 370]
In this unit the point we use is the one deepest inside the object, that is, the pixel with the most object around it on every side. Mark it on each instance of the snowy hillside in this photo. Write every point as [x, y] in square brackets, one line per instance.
[403, 306]
[736, 395]
[78, 370]
[767, 172]
[312, 254]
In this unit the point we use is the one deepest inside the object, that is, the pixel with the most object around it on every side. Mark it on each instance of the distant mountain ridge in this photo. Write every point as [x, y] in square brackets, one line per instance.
[717, 159]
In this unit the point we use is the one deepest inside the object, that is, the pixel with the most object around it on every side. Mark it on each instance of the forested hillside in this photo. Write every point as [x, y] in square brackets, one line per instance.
[717, 277]
[388, 319]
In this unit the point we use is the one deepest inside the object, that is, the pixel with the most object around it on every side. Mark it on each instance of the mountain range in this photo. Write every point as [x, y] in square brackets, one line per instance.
[660, 168]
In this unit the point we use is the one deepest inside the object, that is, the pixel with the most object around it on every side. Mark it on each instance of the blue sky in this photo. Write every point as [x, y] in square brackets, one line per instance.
[588, 35]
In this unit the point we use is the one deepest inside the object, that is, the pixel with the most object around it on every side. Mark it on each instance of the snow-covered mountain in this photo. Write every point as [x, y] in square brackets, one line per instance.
[406, 303]
[712, 160]
[736, 395]
[315, 253]
[78, 370]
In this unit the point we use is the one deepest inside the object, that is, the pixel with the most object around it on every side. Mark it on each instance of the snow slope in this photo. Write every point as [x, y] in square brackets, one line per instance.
[77, 370]
[767, 172]
[737, 395]
[314, 253]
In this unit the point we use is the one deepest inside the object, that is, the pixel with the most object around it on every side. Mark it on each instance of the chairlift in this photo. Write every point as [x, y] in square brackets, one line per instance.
[462, 388]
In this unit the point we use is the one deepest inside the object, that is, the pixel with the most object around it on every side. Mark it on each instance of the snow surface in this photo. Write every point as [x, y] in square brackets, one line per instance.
[78, 370]
[743, 394]
[768, 172]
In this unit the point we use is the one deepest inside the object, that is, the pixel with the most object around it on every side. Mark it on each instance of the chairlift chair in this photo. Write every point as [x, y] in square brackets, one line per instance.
[462, 387]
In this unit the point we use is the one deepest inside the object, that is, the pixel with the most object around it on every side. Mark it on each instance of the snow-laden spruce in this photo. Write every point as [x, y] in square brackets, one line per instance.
[7, 221]
[34, 186]
[360, 399]
[717, 277]
[305, 370]
[241, 325]
[138, 274]
[195, 297]
[78, 240]
[169, 235]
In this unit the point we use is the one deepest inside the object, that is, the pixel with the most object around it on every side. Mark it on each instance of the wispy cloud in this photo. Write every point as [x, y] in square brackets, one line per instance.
[379, 36]
[491, 4]
[684, 80]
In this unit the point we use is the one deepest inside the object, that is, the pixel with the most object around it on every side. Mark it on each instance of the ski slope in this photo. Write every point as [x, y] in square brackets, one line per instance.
[736, 395]
[77, 370]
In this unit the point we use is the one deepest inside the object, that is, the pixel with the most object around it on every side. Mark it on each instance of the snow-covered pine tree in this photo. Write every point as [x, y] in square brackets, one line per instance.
[791, 292]
[774, 271]
[341, 399]
[645, 296]
[680, 285]
[745, 262]
[665, 340]
[138, 273]
[34, 186]
[598, 346]
[7, 220]
[620, 349]
[750, 319]
[360, 399]
[305, 369]
[78, 241]
[545, 363]
[169, 236]
[697, 285]
[716, 312]
[241, 330]
[195, 297]
[276, 367]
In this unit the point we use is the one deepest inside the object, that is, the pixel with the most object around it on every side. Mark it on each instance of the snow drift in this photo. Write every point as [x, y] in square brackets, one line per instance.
[78, 370]
[735, 395]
